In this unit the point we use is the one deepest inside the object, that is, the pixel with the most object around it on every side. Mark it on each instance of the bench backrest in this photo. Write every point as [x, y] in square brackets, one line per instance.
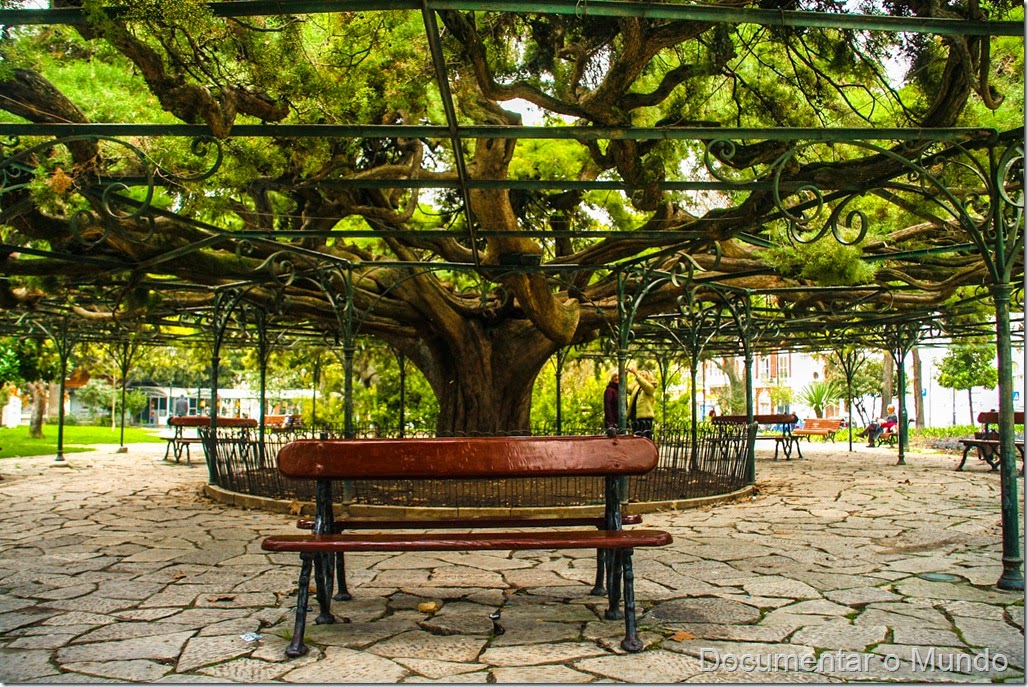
[766, 419]
[467, 457]
[204, 421]
[283, 421]
[991, 417]
[822, 423]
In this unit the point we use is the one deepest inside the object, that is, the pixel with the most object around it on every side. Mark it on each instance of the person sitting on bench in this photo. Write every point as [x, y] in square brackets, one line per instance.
[876, 429]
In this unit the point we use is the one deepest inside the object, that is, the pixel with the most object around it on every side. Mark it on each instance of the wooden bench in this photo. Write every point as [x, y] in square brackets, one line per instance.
[890, 435]
[783, 436]
[986, 441]
[283, 423]
[179, 442]
[467, 458]
[818, 427]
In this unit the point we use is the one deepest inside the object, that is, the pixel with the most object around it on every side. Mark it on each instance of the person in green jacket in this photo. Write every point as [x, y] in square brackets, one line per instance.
[642, 398]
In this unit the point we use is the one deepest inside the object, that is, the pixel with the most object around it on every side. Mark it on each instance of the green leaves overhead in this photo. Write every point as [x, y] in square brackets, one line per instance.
[824, 263]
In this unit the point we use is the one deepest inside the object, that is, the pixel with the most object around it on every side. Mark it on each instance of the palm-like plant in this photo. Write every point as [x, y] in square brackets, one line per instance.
[820, 394]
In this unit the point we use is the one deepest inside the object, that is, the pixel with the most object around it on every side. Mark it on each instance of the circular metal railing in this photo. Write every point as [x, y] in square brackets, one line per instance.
[715, 465]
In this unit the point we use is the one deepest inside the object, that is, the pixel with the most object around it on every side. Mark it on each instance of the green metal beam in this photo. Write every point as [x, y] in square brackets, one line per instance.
[713, 14]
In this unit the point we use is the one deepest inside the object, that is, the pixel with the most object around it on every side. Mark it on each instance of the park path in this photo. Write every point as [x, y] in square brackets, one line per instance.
[116, 569]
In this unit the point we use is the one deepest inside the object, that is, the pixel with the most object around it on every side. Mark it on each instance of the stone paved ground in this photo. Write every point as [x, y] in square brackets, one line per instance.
[115, 569]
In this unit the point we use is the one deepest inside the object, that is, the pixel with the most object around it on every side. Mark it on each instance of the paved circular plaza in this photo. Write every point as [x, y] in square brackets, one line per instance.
[843, 567]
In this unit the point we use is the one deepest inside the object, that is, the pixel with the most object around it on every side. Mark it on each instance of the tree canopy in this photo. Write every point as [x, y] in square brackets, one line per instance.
[370, 172]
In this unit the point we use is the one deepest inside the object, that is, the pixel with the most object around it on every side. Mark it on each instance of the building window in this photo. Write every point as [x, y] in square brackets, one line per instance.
[783, 371]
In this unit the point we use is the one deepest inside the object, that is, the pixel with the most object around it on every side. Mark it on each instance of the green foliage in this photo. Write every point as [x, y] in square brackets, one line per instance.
[98, 395]
[953, 432]
[825, 263]
[582, 385]
[731, 399]
[781, 395]
[9, 363]
[819, 394]
[967, 366]
[679, 410]
[29, 360]
[867, 381]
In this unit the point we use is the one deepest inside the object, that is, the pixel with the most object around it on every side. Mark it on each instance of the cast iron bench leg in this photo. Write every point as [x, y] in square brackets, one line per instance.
[631, 642]
[614, 571]
[598, 588]
[296, 646]
[343, 594]
[991, 456]
[963, 458]
[323, 588]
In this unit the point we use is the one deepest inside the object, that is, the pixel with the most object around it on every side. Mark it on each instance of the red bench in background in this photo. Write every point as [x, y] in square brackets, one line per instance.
[986, 440]
[818, 427]
[283, 422]
[776, 427]
[179, 441]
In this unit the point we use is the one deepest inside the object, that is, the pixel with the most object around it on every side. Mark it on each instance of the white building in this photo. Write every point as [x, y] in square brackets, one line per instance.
[795, 370]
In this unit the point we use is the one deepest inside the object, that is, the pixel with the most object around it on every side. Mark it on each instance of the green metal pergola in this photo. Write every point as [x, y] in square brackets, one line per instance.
[712, 313]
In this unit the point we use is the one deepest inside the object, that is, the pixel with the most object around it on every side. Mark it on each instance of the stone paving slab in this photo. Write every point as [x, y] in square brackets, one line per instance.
[117, 569]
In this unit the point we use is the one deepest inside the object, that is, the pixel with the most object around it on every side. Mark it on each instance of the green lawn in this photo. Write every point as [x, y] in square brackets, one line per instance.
[15, 442]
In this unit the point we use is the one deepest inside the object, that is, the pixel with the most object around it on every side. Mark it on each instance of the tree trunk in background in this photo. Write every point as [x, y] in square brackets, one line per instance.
[492, 395]
[38, 391]
[734, 401]
[888, 370]
[970, 406]
[918, 398]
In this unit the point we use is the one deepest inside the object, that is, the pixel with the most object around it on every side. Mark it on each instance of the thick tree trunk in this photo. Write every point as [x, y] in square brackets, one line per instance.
[734, 402]
[38, 392]
[918, 398]
[888, 370]
[492, 395]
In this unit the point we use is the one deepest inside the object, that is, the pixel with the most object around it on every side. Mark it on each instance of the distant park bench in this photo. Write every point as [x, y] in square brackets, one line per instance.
[776, 427]
[986, 440]
[283, 422]
[464, 458]
[179, 441]
[818, 427]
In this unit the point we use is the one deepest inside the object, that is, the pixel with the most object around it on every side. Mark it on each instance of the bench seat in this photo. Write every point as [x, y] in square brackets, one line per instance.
[469, 541]
[818, 427]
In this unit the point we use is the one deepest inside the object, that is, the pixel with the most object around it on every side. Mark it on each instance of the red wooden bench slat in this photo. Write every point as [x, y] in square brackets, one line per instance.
[467, 457]
[468, 523]
[764, 419]
[991, 417]
[473, 541]
[283, 421]
[203, 421]
[818, 426]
